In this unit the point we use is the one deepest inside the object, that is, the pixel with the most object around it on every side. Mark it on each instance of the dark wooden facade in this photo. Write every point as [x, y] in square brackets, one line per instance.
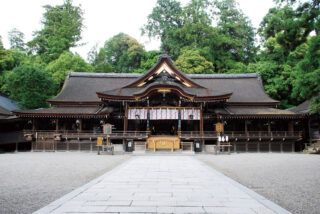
[165, 102]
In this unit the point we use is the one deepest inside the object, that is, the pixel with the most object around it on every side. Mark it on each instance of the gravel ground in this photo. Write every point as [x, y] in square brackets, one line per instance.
[29, 181]
[290, 180]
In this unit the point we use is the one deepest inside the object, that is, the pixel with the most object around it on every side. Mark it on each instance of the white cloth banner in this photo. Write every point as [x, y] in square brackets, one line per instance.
[163, 114]
[137, 114]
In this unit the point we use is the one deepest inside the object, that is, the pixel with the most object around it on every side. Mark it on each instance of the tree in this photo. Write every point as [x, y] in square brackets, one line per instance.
[122, 53]
[231, 41]
[165, 16]
[31, 86]
[1, 44]
[67, 62]
[191, 62]
[93, 54]
[237, 30]
[9, 59]
[16, 38]
[148, 59]
[62, 26]
[307, 75]
[290, 49]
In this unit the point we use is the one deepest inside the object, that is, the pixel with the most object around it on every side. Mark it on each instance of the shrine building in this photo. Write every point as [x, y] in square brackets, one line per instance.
[164, 109]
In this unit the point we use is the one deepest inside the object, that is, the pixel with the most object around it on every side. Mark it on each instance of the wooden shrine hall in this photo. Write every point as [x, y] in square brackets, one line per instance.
[164, 109]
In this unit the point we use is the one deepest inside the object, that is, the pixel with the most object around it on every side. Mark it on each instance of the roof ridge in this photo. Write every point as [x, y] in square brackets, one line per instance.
[197, 76]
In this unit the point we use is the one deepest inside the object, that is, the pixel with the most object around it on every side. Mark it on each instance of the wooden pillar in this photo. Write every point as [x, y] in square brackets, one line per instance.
[246, 126]
[291, 126]
[201, 129]
[57, 125]
[235, 147]
[17, 147]
[270, 149]
[281, 147]
[125, 119]
[124, 144]
[80, 125]
[201, 121]
[148, 120]
[292, 147]
[246, 146]
[258, 146]
[309, 130]
[179, 122]
[64, 126]
[260, 128]
[33, 125]
[269, 126]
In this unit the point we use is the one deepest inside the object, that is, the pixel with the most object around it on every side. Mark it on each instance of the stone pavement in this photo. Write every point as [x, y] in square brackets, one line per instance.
[163, 184]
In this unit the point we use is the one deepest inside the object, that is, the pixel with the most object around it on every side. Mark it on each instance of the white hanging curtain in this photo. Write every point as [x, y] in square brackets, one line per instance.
[163, 114]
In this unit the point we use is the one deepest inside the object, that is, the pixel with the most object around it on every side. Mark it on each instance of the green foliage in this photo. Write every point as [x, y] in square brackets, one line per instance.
[237, 30]
[165, 16]
[307, 73]
[62, 26]
[30, 86]
[148, 59]
[191, 62]
[67, 62]
[1, 44]
[9, 59]
[224, 45]
[120, 54]
[16, 38]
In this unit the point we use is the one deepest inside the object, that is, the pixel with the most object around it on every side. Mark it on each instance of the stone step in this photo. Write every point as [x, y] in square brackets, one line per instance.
[163, 152]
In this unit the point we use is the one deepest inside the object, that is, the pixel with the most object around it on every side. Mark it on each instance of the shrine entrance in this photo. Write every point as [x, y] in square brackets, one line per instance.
[164, 127]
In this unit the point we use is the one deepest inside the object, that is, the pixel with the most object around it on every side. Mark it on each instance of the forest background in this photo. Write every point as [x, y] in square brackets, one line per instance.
[205, 36]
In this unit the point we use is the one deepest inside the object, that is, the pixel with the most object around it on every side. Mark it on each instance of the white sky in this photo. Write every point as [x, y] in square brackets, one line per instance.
[102, 18]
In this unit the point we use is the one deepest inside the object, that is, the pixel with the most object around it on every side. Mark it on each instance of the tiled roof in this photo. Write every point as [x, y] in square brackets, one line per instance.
[82, 87]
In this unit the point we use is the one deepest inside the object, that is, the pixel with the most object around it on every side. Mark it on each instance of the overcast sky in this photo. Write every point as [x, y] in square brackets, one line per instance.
[102, 18]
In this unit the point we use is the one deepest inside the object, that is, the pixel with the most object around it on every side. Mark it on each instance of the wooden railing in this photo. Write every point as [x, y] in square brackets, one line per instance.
[47, 134]
[236, 134]
[263, 134]
[50, 134]
[197, 134]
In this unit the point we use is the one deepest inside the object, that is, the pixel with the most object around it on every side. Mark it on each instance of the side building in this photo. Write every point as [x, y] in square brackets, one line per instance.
[11, 136]
[165, 109]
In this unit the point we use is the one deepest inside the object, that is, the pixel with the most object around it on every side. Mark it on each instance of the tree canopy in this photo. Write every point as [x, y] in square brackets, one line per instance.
[204, 36]
[26, 85]
[120, 54]
[62, 26]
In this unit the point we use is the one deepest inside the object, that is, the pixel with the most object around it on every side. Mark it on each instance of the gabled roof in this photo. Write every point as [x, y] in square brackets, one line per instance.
[164, 64]
[303, 108]
[162, 78]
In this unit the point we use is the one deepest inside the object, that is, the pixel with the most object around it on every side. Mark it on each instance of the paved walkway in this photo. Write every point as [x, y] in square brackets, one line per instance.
[163, 184]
